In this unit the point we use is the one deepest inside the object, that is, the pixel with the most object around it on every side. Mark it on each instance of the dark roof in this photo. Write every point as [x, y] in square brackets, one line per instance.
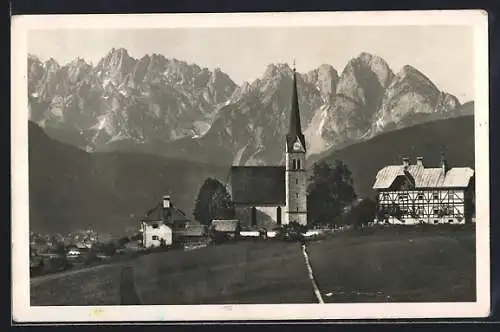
[155, 214]
[422, 177]
[258, 185]
[295, 129]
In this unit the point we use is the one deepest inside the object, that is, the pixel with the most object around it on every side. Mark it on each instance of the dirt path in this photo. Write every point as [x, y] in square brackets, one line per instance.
[314, 283]
[41, 279]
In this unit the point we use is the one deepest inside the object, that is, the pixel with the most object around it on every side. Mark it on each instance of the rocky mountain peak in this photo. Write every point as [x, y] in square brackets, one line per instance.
[362, 84]
[220, 85]
[52, 65]
[276, 70]
[410, 73]
[115, 65]
[33, 58]
[77, 69]
[412, 98]
[365, 65]
[35, 69]
[217, 74]
[325, 78]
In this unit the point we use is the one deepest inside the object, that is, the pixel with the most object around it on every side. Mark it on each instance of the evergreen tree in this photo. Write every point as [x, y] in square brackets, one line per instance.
[330, 190]
[213, 202]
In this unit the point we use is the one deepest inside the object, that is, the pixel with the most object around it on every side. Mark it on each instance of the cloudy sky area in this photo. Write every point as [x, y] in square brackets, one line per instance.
[443, 53]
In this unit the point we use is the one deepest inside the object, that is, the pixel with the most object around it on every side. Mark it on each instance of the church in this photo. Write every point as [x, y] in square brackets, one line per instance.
[280, 191]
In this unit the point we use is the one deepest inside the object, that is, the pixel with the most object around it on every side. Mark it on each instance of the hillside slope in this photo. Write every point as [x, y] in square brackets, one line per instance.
[70, 188]
[427, 140]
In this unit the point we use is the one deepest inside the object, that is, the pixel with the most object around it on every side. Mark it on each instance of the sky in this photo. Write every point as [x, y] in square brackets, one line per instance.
[443, 53]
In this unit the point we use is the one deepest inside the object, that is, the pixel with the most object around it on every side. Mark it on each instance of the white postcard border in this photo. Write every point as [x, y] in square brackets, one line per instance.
[23, 312]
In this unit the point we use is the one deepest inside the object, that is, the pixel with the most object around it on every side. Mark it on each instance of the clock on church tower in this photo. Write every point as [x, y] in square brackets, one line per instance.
[297, 146]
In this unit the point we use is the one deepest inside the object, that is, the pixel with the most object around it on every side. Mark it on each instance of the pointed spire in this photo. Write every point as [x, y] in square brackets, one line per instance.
[295, 114]
[295, 129]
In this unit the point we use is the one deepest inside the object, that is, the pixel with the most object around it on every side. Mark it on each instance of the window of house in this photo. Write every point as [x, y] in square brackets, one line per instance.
[155, 237]
[436, 221]
[296, 181]
[450, 220]
[420, 196]
[294, 164]
[435, 195]
[436, 210]
[154, 225]
[297, 194]
[298, 163]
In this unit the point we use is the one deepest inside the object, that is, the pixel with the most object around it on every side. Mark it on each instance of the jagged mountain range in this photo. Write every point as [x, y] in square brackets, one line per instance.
[175, 109]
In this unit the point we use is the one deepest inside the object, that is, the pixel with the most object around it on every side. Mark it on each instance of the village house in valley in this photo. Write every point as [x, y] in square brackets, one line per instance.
[155, 233]
[412, 193]
[164, 224]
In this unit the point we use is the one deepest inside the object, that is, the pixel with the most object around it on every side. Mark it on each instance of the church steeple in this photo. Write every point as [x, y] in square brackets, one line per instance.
[295, 165]
[295, 129]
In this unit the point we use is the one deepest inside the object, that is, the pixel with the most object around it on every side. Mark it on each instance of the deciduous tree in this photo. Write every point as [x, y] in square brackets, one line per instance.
[330, 190]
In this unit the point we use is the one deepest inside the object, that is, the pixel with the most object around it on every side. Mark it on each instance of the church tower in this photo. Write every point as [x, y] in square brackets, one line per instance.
[295, 168]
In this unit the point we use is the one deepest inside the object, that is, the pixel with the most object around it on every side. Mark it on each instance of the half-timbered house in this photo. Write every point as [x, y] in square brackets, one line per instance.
[412, 193]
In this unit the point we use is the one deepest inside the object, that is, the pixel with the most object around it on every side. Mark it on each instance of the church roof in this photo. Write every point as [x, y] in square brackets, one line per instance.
[295, 129]
[457, 177]
[258, 185]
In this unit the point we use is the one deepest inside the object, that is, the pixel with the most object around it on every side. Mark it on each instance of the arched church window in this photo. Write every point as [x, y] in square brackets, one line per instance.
[298, 163]
[294, 164]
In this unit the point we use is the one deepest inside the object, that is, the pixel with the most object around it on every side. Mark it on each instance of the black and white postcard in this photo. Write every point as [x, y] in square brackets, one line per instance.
[258, 166]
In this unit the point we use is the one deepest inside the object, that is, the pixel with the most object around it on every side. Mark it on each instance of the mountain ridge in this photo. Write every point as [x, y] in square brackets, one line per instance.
[174, 109]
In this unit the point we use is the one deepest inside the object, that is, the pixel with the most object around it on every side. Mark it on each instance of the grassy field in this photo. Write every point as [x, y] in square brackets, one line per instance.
[245, 272]
[396, 264]
[97, 286]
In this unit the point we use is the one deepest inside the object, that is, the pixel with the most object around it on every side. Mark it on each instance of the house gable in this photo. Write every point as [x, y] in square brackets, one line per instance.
[402, 182]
